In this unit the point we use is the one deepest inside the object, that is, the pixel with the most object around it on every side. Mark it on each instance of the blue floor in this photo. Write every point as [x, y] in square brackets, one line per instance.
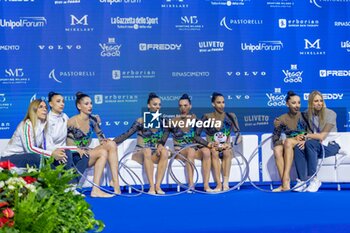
[246, 210]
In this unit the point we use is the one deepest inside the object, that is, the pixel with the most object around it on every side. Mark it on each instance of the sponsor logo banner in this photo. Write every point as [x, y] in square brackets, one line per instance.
[229, 24]
[132, 74]
[327, 96]
[110, 49]
[280, 3]
[293, 75]
[14, 76]
[111, 2]
[298, 23]
[24, 22]
[273, 45]
[189, 23]
[211, 46]
[159, 47]
[59, 76]
[134, 22]
[334, 73]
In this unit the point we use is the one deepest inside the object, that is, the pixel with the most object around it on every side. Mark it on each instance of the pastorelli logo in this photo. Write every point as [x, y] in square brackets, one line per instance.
[155, 121]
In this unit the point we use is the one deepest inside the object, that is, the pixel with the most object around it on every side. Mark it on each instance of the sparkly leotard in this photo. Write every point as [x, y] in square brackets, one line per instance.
[82, 139]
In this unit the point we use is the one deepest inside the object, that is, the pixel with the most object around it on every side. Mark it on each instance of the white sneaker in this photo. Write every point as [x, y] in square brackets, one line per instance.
[342, 152]
[73, 188]
[314, 185]
[300, 186]
[76, 192]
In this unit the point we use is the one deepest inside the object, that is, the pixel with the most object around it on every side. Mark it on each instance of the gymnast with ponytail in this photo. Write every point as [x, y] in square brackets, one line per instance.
[184, 135]
[80, 130]
[294, 125]
[57, 136]
[150, 148]
[220, 138]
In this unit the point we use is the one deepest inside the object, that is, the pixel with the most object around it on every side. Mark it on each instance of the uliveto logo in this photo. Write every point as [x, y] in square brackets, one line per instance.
[59, 2]
[211, 46]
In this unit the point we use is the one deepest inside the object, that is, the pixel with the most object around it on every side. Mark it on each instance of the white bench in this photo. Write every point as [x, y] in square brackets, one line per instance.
[335, 169]
[249, 143]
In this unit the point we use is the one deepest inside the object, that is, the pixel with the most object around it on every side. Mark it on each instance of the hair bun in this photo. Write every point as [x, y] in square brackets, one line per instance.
[215, 95]
[291, 93]
[152, 95]
[79, 93]
[184, 96]
[51, 94]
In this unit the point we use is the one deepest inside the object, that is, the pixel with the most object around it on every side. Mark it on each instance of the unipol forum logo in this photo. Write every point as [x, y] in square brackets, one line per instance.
[273, 45]
[24, 22]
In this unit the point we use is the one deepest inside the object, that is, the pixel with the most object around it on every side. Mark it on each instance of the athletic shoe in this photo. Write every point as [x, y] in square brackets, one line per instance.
[315, 184]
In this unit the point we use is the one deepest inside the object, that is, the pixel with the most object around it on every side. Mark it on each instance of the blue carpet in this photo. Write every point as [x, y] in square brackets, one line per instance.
[246, 210]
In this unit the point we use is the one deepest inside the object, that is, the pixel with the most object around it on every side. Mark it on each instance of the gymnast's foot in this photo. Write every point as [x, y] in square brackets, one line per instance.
[279, 189]
[218, 188]
[208, 189]
[225, 186]
[151, 190]
[159, 191]
[99, 193]
[116, 188]
[286, 185]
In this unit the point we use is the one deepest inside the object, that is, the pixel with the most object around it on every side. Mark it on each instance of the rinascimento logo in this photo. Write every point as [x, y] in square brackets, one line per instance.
[153, 120]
